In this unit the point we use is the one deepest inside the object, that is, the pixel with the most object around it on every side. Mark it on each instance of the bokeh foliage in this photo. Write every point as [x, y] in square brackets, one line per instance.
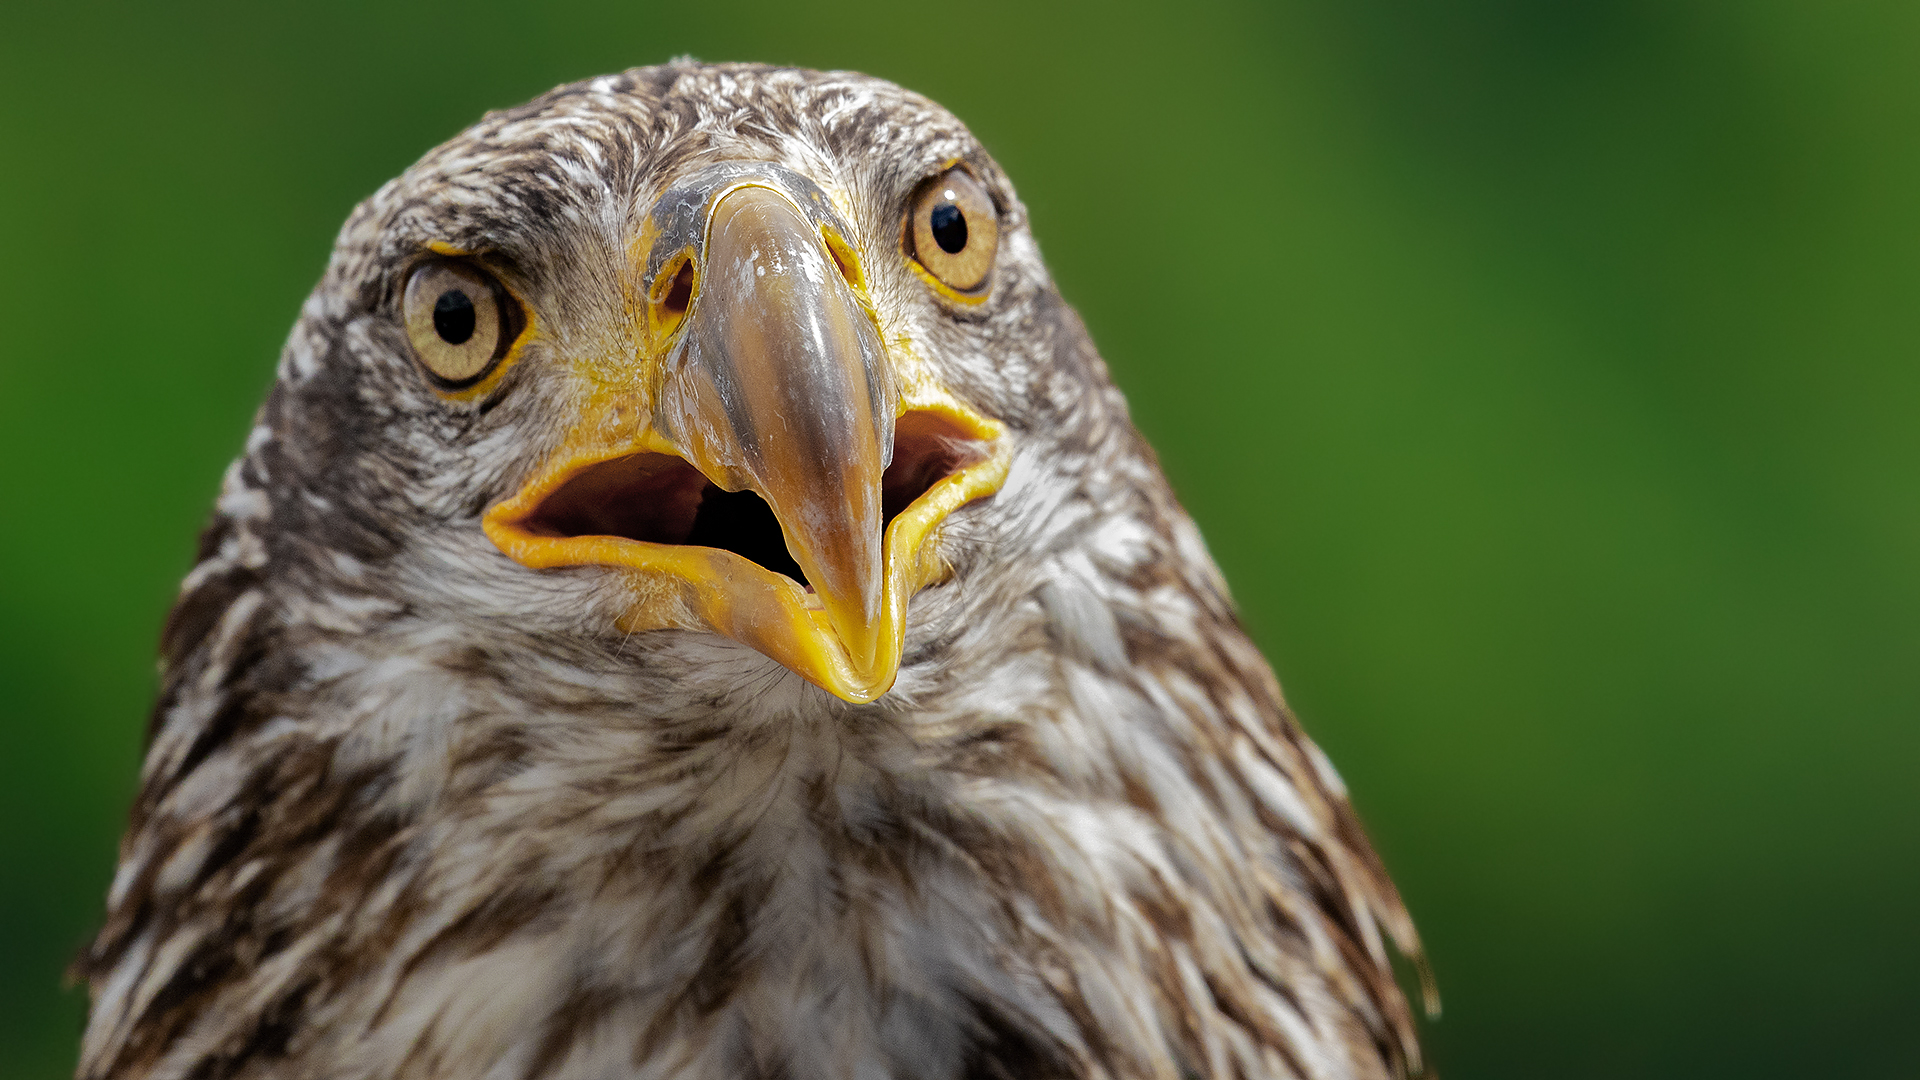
[1543, 375]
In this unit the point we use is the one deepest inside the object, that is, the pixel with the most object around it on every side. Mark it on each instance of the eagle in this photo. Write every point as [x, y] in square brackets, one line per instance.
[693, 604]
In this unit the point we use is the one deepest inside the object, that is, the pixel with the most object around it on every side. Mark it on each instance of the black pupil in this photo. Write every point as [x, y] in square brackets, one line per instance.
[949, 228]
[454, 317]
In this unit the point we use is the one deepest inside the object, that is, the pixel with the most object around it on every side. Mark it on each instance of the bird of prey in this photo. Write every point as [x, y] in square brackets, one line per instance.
[693, 605]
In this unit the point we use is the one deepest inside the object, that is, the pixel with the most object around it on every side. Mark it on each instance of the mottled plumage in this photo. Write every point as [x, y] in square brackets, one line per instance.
[413, 809]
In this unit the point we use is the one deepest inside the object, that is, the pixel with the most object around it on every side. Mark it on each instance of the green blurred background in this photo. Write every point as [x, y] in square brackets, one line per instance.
[1543, 375]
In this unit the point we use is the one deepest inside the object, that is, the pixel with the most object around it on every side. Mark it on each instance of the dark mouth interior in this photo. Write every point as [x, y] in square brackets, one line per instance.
[661, 499]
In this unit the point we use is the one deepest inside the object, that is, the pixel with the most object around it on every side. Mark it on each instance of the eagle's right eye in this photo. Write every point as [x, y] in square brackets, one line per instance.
[953, 233]
[460, 321]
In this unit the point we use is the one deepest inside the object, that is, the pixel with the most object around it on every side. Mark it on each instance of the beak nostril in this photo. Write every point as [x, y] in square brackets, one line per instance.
[667, 307]
[680, 293]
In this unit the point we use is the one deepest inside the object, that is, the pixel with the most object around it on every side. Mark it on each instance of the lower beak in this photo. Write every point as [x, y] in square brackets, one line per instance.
[776, 386]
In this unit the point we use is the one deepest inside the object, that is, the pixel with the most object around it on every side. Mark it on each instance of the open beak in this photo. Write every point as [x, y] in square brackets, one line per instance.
[767, 469]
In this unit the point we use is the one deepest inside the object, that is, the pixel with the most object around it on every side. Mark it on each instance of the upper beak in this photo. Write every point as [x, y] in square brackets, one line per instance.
[781, 387]
[764, 372]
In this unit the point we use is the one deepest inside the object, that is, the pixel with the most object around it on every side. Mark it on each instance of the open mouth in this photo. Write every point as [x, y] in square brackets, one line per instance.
[661, 499]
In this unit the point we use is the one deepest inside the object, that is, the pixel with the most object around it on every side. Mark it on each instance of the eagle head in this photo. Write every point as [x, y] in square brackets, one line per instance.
[693, 604]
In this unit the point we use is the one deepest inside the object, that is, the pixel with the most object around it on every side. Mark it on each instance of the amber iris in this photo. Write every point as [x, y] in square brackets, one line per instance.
[459, 320]
[953, 232]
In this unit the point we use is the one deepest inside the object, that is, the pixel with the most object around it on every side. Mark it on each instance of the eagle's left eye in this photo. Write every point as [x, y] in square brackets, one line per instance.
[954, 231]
[460, 321]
